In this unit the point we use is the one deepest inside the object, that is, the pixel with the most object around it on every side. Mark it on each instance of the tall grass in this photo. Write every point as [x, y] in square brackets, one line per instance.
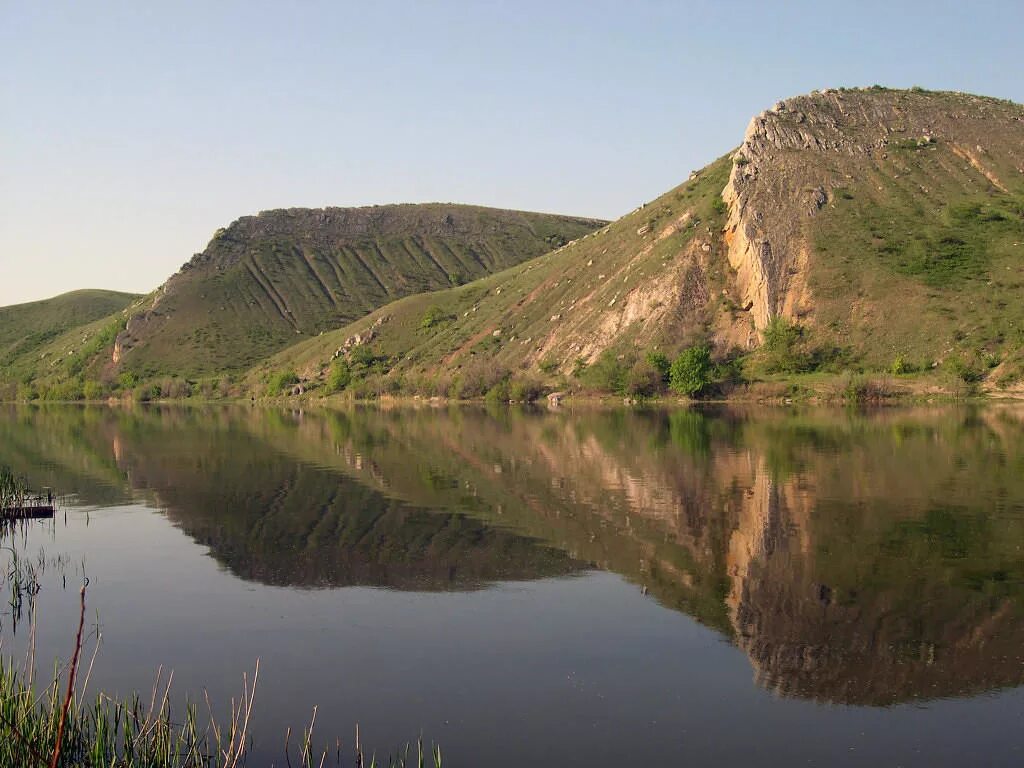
[12, 489]
[61, 725]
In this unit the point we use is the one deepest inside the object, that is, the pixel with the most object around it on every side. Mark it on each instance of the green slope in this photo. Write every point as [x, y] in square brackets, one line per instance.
[25, 328]
[644, 280]
[271, 279]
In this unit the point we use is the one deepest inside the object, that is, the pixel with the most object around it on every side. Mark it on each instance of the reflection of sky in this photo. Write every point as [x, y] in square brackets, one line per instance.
[574, 671]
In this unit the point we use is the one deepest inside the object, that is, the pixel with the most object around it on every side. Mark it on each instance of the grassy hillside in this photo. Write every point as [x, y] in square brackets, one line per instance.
[24, 328]
[853, 233]
[655, 278]
[896, 226]
[271, 279]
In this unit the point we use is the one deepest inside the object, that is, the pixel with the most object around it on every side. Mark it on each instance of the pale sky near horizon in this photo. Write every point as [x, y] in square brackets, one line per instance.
[131, 131]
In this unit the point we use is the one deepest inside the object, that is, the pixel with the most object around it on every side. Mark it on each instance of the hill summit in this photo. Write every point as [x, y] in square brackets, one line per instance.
[266, 280]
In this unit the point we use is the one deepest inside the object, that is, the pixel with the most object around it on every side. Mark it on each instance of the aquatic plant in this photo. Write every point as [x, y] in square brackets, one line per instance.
[60, 726]
[12, 489]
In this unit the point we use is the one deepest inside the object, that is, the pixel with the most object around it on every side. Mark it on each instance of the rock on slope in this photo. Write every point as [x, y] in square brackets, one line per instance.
[889, 223]
[269, 279]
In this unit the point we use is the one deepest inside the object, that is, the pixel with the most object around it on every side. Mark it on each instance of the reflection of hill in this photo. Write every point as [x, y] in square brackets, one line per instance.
[855, 559]
[71, 453]
[266, 518]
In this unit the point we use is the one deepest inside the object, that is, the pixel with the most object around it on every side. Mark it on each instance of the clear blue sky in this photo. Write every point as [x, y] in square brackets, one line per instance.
[131, 131]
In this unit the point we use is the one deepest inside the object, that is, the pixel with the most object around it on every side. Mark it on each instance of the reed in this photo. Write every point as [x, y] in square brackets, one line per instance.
[60, 725]
[12, 489]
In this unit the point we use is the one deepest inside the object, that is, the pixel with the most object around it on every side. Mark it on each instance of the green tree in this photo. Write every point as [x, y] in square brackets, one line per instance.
[339, 377]
[661, 363]
[691, 373]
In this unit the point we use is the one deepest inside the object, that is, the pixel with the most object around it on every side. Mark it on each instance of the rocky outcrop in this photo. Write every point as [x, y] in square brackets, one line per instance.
[796, 154]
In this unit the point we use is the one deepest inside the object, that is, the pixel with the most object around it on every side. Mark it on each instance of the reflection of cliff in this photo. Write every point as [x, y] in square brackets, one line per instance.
[854, 559]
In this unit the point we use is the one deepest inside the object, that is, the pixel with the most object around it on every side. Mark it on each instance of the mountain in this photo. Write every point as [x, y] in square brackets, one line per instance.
[268, 280]
[866, 230]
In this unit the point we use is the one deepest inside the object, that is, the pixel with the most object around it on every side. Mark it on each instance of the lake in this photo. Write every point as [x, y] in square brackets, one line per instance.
[575, 587]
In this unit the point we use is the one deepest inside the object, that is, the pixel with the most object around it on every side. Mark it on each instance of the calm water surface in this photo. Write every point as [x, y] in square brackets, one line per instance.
[599, 588]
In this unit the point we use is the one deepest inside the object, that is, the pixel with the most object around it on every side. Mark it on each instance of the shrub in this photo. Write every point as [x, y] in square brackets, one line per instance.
[608, 373]
[26, 393]
[718, 205]
[363, 359]
[548, 365]
[963, 370]
[579, 365]
[433, 317]
[901, 366]
[93, 390]
[499, 393]
[643, 380]
[339, 376]
[128, 380]
[784, 347]
[691, 373]
[661, 363]
[478, 378]
[525, 390]
[280, 381]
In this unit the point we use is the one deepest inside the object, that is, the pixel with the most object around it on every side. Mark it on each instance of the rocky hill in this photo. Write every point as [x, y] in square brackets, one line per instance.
[873, 228]
[268, 280]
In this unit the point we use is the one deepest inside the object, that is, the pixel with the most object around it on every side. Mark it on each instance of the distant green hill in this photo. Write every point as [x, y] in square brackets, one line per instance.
[863, 230]
[269, 280]
[26, 328]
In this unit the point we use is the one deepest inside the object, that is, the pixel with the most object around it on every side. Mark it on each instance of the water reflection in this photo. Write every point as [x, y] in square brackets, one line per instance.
[865, 559]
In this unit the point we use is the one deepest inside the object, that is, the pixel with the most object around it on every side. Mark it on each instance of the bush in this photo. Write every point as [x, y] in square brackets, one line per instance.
[607, 373]
[548, 365]
[901, 367]
[93, 390]
[525, 390]
[128, 380]
[963, 370]
[499, 393]
[339, 376]
[661, 363]
[478, 378]
[27, 393]
[643, 380]
[692, 371]
[784, 348]
[280, 381]
[433, 317]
